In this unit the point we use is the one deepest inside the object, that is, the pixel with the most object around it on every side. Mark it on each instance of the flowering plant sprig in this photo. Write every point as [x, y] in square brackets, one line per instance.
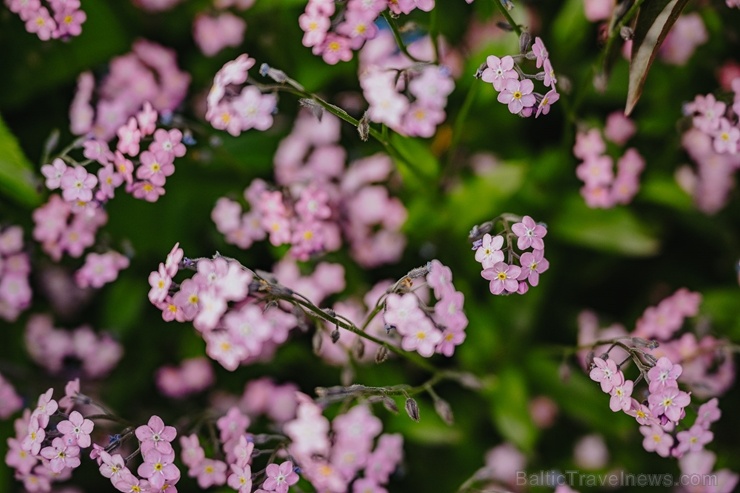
[663, 363]
[64, 21]
[515, 86]
[499, 260]
[239, 314]
[713, 142]
[602, 187]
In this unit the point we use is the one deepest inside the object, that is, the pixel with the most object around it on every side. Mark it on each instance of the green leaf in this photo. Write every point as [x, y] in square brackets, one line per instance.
[510, 408]
[615, 230]
[418, 163]
[654, 21]
[17, 176]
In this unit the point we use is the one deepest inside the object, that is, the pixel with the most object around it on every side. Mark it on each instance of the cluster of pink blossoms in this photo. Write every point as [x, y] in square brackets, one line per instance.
[334, 455]
[144, 172]
[353, 24]
[62, 227]
[214, 32]
[713, 143]
[516, 87]
[319, 200]
[15, 267]
[46, 449]
[662, 409]
[190, 377]
[602, 187]
[423, 328]
[708, 366]
[237, 111]
[100, 269]
[505, 276]
[149, 73]
[63, 22]
[94, 355]
[243, 332]
[403, 94]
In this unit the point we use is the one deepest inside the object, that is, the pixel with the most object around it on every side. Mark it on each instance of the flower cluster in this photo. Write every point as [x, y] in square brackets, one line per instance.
[15, 267]
[713, 143]
[64, 21]
[45, 448]
[239, 111]
[55, 349]
[149, 73]
[145, 172]
[353, 25]
[156, 5]
[213, 33]
[516, 87]
[664, 362]
[497, 260]
[602, 187]
[332, 464]
[234, 335]
[100, 269]
[407, 96]
[62, 227]
[190, 377]
[319, 200]
[423, 328]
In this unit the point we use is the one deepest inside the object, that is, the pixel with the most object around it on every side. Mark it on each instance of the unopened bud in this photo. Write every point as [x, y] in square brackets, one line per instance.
[51, 142]
[412, 409]
[524, 41]
[627, 33]
[273, 73]
[640, 342]
[479, 72]
[443, 409]
[390, 405]
[381, 355]
[564, 372]
[505, 26]
[335, 336]
[419, 272]
[363, 127]
[651, 360]
[347, 375]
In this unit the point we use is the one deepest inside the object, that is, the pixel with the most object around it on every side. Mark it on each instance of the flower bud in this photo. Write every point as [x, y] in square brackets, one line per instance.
[335, 336]
[390, 405]
[381, 355]
[412, 409]
[363, 127]
[444, 411]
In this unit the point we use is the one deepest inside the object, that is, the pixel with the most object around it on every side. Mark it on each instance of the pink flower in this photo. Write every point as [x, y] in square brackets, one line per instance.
[621, 396]
[280, 478]
[421, 337]
[499, 71]
[641, 413]
[693, 439]
[439, 278]
[209, 473]
[112, 466]
[708, 413]
[191, 453]
[168, 142]
[402, 311]
[548, 99]
[539, 50]
[76, 428]
[53, 173]
[212, 34]
[533, 264]
[664, 375]
[77, 184]
[45, 408]
[529, 233]
[155, 167]
[335, 48]
[158, 468]
[670, 402]
[596, 171]
[589, 144]
[160, 282]
[656, 440]
[619, 128]
[156, 436]
[129, 137]
[61, 455]
[240, 478]
[517, 95]
[607, 374]
[503, 277]
[489, 253]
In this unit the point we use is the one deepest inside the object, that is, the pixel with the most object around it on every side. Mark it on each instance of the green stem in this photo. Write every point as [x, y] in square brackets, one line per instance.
[457, 129]
[398, 38]
[352, 328]
[382, 138]
[434, 34]
[509, 19]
